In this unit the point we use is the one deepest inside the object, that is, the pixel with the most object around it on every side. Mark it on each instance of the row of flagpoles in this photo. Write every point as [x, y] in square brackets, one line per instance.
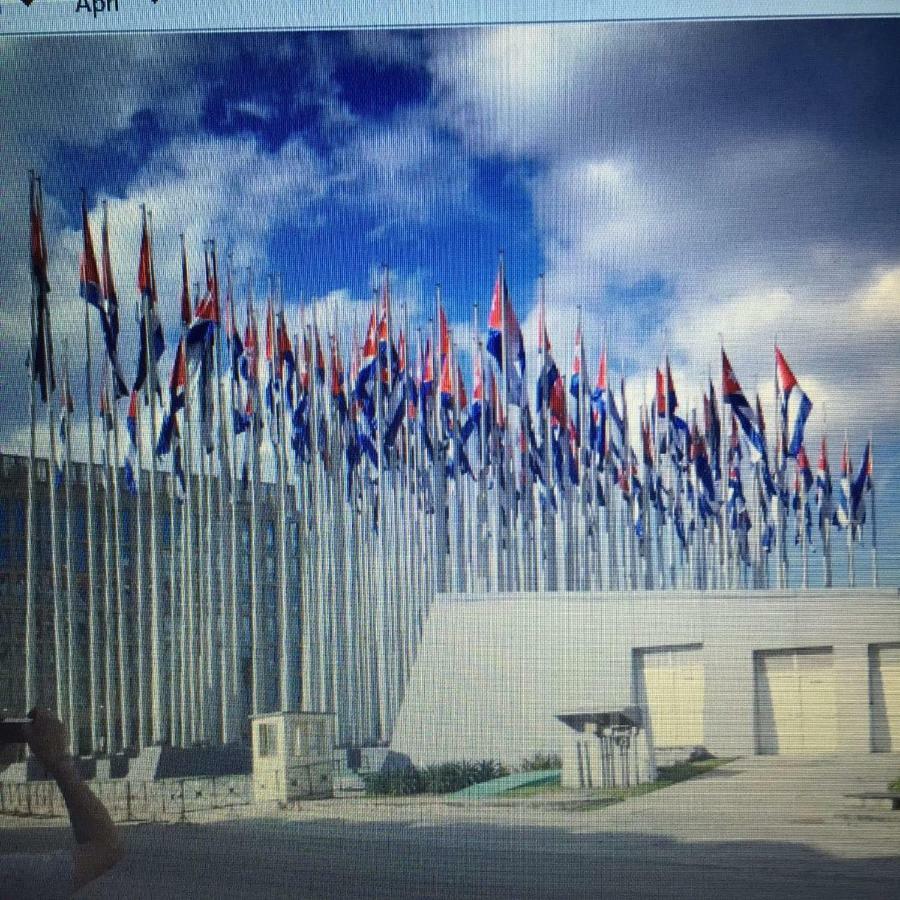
[390, 483]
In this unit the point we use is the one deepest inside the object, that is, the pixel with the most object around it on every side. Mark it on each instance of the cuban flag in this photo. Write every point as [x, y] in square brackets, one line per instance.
[427, 374]
[110, 321]
[860, 485]
[235, 344]
[177, 387]
[823, 487]
[597, 436]
[177, 463]
[477, 406]
[708, 498]
[338, 395]
[795, 406]
[713, 430]
[551, 384]
[443, 334]
[842, 514]
[736, 501]
[505, 336]
[250, 358]
[131, 456]
[206, 318]
[804, 470]
[743, 412]
[90, 286]
[147, 289]
[369, 360]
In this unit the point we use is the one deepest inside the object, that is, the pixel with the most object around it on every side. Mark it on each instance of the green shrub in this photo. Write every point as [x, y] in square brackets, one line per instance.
[542, 762]
[442, 779]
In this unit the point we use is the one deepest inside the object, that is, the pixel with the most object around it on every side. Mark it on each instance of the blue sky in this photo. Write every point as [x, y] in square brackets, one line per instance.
[677, 181]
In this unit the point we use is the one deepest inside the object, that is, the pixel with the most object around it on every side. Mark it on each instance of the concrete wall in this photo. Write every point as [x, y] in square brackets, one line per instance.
[492, 671]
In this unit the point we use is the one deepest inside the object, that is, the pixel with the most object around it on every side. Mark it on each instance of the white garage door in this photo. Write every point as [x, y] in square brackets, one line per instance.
[795, 704]
[884, 684]
[670, 683]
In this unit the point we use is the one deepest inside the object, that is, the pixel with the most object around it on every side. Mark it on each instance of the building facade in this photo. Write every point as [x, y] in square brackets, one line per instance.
[127, 690]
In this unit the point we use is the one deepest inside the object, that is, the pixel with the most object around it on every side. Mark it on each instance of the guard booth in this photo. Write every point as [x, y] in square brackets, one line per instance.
[607, 749]
[293, 756]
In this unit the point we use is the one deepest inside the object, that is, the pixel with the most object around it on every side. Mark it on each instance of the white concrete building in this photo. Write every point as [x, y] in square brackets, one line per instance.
[738, 673]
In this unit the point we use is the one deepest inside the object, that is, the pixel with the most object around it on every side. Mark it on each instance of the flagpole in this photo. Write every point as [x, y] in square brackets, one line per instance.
[287, 679]
[226, 597]
[175, 734]
[140, 611]
[93, 606]
[123, 660]
[150, 388]
[108, 602]
[548, 519]
[31, 686]
[190, 714]
[54, 537]
[71, 623]
[851, 524]
[256, 622]
[874, 530]
[231, 719]
[235, 685]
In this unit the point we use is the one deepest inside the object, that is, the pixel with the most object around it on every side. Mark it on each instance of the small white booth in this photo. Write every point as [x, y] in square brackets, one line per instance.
[293, 756]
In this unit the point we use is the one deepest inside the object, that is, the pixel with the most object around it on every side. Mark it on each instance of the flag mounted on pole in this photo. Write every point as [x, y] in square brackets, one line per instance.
[153, 326]
[42, 351]
[795, 406]
[733, 395]
[505, 336]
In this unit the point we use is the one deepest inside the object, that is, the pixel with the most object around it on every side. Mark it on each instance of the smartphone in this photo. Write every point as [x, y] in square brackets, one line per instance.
[14, 731]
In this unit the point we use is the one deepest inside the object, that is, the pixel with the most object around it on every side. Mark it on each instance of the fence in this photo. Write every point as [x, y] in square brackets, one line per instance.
[171, 800]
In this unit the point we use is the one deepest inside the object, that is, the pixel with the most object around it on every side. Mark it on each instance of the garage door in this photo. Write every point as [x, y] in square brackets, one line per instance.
[670, 684]
[884, 699]
[795, 704]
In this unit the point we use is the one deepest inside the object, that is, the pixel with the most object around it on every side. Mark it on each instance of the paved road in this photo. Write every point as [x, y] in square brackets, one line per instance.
[755, 828]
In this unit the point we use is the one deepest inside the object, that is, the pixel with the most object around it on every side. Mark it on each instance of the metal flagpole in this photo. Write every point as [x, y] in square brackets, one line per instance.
[186, 615]
[140, 611]
[108, 602]
[174, 662]
[288, 688]
[235, 685]
[207, 667]
[121, 627]
[874, 530]
[256, 618]
[309, 669]
[31, 686]
[191, 717]
[225, 655]
[150, 388]
[851, 524]
[548, 517]
[71, 624]
[93, 600]
[58, 626]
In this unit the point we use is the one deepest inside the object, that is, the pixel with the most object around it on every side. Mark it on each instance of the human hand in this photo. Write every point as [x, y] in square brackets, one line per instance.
[47, 739]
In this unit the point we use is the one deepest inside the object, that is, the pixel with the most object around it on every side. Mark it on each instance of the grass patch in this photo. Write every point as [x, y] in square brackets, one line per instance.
[666, 776]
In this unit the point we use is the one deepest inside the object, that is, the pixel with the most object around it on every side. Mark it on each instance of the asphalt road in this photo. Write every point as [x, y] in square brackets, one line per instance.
[753, 828]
